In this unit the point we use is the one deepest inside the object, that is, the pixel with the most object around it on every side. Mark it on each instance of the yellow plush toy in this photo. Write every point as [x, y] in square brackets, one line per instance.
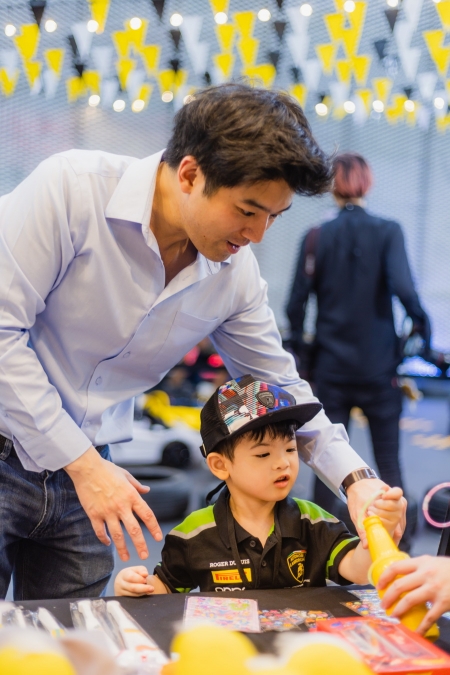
[16, 662]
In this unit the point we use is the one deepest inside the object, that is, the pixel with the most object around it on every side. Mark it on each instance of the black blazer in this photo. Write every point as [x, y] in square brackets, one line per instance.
[360, 263]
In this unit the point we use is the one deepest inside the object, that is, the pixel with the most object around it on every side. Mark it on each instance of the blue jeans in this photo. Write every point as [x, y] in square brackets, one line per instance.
[47, 542]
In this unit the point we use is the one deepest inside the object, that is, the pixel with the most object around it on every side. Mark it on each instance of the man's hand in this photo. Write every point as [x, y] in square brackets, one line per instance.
[358, 493]
[110, 496]
[426, 579]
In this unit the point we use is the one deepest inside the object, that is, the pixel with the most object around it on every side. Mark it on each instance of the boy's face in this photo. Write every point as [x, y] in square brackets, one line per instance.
[266, 470]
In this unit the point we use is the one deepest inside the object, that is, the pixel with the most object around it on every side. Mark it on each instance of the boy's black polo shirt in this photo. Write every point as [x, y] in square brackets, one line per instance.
[197, 553]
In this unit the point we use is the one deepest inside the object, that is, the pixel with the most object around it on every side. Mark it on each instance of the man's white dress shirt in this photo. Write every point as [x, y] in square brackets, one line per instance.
[86, 322]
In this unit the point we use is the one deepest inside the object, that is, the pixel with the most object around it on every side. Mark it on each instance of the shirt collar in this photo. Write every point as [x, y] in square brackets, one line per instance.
[288, 518]
[133, 198]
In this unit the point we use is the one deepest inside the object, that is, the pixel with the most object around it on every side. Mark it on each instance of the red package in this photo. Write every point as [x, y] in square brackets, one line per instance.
[388, 647]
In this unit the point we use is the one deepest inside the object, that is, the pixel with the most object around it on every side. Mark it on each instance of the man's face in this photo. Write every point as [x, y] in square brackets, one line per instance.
[266, 470]
[220, 224]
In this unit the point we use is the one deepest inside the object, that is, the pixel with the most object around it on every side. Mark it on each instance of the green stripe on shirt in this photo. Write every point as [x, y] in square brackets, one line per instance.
[337, 549]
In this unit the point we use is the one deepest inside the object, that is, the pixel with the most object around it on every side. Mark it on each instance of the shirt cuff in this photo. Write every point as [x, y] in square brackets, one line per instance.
[57, 448]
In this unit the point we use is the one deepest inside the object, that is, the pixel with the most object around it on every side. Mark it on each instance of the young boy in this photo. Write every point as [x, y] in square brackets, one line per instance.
[256, 536]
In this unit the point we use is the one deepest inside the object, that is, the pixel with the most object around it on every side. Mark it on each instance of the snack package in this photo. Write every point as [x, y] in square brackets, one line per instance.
[280, 619]
[388, 647]
[50, 623]
[139, 646]
[91, 615]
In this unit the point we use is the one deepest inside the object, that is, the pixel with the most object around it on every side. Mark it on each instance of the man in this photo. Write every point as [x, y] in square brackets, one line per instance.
[112, 269]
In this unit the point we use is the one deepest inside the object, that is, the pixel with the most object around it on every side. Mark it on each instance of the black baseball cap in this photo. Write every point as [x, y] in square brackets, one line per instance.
[246, 403]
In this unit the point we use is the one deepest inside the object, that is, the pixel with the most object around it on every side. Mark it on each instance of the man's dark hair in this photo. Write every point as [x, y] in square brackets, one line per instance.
[241, 134]
[285, 430]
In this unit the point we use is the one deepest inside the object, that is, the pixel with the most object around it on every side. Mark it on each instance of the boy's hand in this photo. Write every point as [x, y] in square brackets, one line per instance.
[132, 581]
[358, 493]
[389, 508]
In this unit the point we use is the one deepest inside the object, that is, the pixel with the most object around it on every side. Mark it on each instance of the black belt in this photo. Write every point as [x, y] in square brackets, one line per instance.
[13, 453]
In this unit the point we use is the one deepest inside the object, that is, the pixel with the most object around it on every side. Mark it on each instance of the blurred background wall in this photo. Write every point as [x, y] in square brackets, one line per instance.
[45, 109]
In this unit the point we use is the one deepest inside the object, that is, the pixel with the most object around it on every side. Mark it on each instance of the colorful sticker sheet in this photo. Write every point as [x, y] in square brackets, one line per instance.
[238, 614]
[313, 616]
[368, 604]
[280, 619]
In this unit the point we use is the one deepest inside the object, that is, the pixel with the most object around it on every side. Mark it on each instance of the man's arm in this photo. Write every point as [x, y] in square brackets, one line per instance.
[36, 248]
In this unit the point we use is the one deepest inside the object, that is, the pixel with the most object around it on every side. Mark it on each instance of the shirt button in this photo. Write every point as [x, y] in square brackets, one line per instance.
[98, 380]
[126, 355]
[253, 543]
[263, 564]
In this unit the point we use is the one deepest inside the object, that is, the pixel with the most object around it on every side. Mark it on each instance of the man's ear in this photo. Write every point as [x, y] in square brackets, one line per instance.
[218, 465]
[188, 174]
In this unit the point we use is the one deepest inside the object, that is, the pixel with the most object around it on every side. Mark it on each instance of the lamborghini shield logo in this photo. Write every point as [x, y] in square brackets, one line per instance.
[295, 563]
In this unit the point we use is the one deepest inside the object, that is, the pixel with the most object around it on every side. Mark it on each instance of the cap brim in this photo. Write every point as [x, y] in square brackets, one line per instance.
[302, 414]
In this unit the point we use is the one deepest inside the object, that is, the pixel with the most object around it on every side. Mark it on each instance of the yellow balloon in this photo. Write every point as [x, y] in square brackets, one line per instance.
[15, 662]
[206, 649]
[323, 659]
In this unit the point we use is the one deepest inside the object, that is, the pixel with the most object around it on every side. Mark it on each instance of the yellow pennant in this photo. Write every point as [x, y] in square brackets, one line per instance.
[396, 111]
[339, 4]
[335, 26]
[123, 69]
[28, 40]
[54, 59]
[180, 79]
[169, 80]
[339, 112]
[366, 96]
[219, 6]
[344, 71]
[99, 12]
[443, 9]
[75, 88]
[442, 123]
[145, 93]
[248, 50]
[225, 63]
[361, 67]
[7, 83]
[262, 75]
[244, 22]
[150, 58]
[32, 71]
[299, 91]
[439, 53]
[358, 16]
[137, 37]
[225, 36]
[327, 55]
[382, 87]
[92, 80]
[121, 40]
[350, 41]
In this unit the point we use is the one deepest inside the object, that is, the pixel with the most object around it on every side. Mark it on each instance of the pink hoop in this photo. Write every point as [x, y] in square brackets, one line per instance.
[426, 502]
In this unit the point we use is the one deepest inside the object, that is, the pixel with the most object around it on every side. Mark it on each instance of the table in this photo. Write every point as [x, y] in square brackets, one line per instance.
[160, 614]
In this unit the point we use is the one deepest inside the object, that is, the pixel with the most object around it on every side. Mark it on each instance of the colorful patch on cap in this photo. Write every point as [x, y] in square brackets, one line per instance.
[246, 399]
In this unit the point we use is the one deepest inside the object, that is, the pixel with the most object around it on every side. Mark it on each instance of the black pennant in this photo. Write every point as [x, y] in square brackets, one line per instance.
[175, 65]
[38, 7]
[207, 78]
[295, 72]
[159, 6]
[71, 40]
[380, 46]
[280, 3]
[280, 27]
[408, 91]
[175, 34]
[79, 67]
[274, 57]
[391, 16]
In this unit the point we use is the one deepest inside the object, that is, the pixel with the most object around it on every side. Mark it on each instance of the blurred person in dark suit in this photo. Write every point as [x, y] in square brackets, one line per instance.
[355, 264]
